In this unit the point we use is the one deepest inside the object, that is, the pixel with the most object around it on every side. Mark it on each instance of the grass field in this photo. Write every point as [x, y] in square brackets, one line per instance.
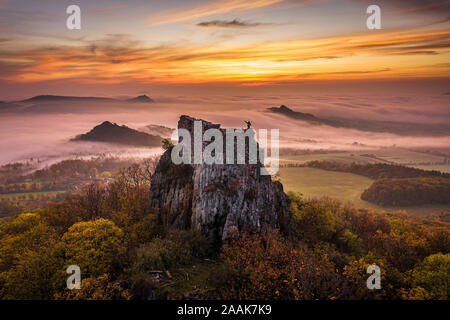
[404, 156]
[384, 155]
[438, 167]
[345, 187]
[338, 156]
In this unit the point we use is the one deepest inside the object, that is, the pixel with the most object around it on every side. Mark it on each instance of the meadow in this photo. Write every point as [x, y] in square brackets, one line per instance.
[348, 187]
[422, 160]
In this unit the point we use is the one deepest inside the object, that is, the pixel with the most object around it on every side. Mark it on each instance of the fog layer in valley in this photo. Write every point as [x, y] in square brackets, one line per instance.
[43, 130]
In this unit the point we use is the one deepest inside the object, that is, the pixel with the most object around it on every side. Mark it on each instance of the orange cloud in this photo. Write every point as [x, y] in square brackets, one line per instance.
[425, 6]
[373, 55]
[208, 9]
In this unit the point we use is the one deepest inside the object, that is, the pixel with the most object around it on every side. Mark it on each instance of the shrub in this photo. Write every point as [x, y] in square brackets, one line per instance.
[179, 248]
[265, 267]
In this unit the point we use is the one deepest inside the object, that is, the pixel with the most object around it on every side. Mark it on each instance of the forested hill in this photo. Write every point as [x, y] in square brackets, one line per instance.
[409, 191]
[397, 127]
[113, 133]
[376, 170]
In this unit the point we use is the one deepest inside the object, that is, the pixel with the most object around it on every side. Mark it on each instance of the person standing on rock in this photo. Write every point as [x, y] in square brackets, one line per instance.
[249, 124]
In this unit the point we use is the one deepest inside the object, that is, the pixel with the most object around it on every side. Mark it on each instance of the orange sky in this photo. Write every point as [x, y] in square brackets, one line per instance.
[247, 43]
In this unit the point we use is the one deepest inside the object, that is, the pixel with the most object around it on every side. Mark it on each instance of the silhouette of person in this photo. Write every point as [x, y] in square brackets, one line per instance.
[249, 124]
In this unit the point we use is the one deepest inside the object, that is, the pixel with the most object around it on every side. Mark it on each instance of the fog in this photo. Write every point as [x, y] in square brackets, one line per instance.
[44, 130]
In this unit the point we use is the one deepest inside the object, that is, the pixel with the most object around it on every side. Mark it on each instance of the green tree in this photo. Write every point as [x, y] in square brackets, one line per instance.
[96, 288]
[431, 278]
[314, 222]
[167, 144]
[94, 246]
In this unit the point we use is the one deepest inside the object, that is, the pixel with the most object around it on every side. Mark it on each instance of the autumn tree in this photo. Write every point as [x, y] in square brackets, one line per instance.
[94, 246]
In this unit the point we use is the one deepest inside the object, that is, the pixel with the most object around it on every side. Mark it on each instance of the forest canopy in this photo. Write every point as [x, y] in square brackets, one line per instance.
[321, 252]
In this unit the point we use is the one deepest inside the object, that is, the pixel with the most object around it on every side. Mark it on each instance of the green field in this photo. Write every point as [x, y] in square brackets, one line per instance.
[345, 187]
[384, 155]
[313, 182]
[338, 156]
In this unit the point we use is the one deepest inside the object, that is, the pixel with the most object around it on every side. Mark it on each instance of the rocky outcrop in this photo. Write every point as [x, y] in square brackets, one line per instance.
[220, 200]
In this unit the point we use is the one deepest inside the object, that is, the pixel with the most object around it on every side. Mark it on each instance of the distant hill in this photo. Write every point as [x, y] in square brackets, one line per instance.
[141, 99]
[400, 128]
[408, 191]
[113, 133]
[376, 170]
[157, 130]
[51, 98]
[295, 114]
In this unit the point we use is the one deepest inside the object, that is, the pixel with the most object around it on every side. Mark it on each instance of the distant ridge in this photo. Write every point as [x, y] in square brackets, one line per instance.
[400, 128]
[55, 98]
[113, 133]
[45, 98]
[295, 114]
[141, 99]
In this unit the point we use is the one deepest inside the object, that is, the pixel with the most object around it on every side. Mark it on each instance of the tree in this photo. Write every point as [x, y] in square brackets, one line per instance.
[94, 246]
[314, 222]
[266, 267]
[431, 278]
[34, 276]
[97, 288]
[166, 144]
[105, 175]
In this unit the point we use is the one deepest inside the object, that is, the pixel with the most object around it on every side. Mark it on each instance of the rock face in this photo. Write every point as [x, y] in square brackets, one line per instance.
[220, 200]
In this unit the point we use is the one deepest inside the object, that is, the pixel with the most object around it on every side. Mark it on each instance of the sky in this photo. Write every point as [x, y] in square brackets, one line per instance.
[138, 46]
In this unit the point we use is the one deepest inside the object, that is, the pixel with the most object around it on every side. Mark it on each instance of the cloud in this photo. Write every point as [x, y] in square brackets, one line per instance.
[102, 10]
[423, 7]
[208, 9]
[438, 7]
[120, 58]
[235, 23]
